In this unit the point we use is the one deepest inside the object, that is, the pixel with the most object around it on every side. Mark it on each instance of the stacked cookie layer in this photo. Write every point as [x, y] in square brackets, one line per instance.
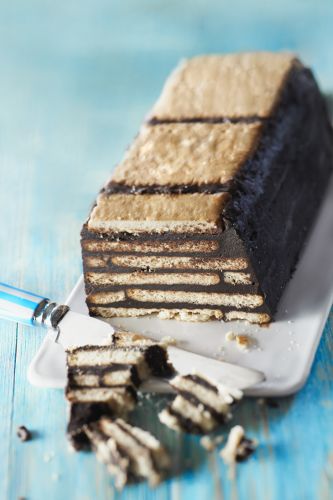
[206, 215]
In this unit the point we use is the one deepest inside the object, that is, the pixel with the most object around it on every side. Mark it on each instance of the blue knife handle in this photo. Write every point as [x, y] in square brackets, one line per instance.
[28, 308]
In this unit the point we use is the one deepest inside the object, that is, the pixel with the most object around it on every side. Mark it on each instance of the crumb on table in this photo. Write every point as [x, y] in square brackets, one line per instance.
[23, 433]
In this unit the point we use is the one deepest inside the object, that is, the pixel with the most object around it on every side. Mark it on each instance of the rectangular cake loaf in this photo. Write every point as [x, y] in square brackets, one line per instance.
[206, 215]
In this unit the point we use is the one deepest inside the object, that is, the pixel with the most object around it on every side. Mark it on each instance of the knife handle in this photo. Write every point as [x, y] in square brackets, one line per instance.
[28, 308]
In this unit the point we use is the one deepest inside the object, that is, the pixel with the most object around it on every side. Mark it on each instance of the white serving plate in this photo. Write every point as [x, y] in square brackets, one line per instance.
[284, 351]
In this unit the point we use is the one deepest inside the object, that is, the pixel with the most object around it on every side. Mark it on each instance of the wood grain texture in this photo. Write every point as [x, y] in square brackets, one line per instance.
[76, 80]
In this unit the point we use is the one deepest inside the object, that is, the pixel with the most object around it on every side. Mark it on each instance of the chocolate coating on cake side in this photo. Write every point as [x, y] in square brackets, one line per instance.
[276, 196]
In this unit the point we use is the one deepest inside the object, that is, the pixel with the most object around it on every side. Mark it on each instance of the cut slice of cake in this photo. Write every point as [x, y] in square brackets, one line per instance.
[129, 452]
[156, 360]
[200, 405]
[109, 452]
[102, 380]
[207, 214]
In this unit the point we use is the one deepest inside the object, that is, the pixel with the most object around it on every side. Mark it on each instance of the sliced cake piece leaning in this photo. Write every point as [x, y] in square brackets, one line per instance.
[200, 405]
[129, 452]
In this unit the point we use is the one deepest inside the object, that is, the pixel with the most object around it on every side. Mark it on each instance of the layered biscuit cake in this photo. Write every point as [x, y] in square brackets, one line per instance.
[129, 452]
[206, 215]
[103, 379]
[200, 405]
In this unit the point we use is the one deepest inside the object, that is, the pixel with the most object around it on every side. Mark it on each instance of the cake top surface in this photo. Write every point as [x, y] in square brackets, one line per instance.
[187, 154]
[229, 86]
[158, 211]
[214, 110]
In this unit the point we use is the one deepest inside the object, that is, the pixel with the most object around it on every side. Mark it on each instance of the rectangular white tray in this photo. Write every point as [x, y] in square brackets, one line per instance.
[284, 351]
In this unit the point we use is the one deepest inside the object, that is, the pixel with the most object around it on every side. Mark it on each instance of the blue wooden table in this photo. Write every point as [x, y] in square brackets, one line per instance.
[76, 81]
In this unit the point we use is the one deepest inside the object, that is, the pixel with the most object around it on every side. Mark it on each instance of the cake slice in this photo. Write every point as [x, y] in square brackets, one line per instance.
[129, 452]
[109, 453]
[129, 358]
[102, 380]
[207, 214]
[238, 447]
[200, 405]
[155, 353]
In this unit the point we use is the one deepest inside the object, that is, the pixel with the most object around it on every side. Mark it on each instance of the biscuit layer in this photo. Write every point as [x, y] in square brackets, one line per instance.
[103, 356]
[236, 300]
[251, 317]
[237, 278]
[142, 278]
[198, 213]
[155, 262]
[112, 375]
[119, 398]
[224, 86]
[187, 154]
[189, 246]
[182, 314]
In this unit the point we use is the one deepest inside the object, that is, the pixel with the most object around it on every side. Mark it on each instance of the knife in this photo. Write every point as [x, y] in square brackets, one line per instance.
[73, 329]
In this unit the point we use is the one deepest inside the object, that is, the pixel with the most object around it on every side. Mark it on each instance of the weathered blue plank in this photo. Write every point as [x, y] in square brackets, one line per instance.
[76, 80]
